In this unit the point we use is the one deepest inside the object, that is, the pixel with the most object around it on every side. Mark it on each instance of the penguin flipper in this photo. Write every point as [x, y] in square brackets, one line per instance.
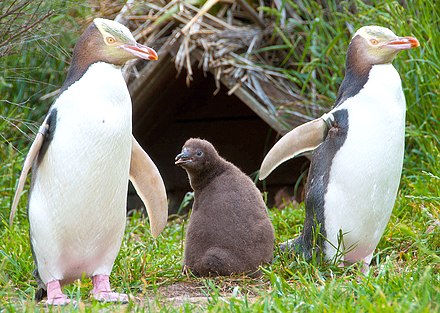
[301, 139]
[150, 187]
[30, 158]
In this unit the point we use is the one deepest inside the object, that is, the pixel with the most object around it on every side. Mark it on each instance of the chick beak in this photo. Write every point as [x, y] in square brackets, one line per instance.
[403, 43]
[140, 51]
[183, 157]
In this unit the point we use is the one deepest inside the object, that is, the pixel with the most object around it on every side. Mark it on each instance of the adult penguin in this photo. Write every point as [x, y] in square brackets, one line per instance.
[82, 158]
[358, 153]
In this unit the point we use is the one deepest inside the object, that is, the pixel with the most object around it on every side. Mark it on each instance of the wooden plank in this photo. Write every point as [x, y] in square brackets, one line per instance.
[153, 77]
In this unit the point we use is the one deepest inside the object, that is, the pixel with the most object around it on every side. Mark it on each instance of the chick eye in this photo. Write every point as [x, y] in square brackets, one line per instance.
[374, 41]
[110, 40]
[199, 153]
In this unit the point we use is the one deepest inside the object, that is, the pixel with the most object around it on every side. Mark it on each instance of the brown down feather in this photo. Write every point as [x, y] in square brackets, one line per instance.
[229, 229]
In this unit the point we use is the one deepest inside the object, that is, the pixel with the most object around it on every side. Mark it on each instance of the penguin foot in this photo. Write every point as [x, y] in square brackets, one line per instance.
[365, 268]
[287, 246]
[102, 291]
[109, 296]
[296, 246]
[60, 301]
[366, 264]
[55, 295]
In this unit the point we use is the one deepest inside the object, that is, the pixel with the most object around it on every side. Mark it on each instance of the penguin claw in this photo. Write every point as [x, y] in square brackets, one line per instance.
[109, 296]
[60, 301]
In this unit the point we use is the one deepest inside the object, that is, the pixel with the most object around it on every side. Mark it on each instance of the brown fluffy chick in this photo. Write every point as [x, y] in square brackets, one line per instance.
[229, 229]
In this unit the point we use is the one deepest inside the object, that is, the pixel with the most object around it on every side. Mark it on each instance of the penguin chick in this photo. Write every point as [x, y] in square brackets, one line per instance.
[229, 229]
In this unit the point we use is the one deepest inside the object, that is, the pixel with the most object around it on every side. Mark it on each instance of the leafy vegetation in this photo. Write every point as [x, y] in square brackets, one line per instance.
[405, 275]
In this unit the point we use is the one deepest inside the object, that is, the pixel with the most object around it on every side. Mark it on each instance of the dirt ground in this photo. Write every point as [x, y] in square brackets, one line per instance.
[199, 292]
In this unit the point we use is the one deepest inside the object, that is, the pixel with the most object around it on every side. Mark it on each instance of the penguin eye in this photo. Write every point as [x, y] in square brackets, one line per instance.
[199, 153]
[110, 40]
[374, 41]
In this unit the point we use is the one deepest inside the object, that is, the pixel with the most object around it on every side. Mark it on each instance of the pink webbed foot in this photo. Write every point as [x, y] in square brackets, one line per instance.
[55, 295]
[365, 269]
[365, 264]
[102, 291]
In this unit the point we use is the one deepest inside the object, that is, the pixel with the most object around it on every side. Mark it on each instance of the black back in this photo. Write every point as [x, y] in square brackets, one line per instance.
[314, 225]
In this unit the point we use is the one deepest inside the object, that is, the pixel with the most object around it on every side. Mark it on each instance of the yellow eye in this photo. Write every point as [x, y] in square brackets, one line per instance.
[110, 40]
[374, 41]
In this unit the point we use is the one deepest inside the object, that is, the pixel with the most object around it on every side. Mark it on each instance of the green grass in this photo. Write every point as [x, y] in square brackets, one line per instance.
[405, 275]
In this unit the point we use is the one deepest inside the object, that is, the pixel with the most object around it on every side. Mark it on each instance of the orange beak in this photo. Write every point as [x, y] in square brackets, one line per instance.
[403, 43]
[141, 51]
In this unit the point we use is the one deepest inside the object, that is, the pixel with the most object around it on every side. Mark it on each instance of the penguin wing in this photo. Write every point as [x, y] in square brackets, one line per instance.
[30, 158]
[301, 139]
[150, 187]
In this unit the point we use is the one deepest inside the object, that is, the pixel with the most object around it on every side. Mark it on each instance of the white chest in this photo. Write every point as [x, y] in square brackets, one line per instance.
[93, 127]
[78, 198]
[365, 172]
[99, 101]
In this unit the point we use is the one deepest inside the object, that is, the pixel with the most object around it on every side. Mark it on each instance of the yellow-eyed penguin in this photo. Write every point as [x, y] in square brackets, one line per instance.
[229, 230]
[82, 159]
[358, 153]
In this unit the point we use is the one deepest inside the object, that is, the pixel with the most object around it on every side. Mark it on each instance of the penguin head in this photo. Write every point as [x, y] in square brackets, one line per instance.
[111, 42]
[197, 156]
[378, 45]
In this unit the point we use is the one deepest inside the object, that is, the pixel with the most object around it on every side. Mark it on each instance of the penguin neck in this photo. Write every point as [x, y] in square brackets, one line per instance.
[77, 71]
[354, 80]
[381, 82]
[199, 179]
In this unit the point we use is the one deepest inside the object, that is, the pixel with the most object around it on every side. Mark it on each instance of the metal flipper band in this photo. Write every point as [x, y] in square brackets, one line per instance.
[329, 119]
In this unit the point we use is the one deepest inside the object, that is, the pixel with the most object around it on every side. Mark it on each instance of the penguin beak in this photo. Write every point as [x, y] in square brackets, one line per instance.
[183, 157]
[403, 43]
[140, 51]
